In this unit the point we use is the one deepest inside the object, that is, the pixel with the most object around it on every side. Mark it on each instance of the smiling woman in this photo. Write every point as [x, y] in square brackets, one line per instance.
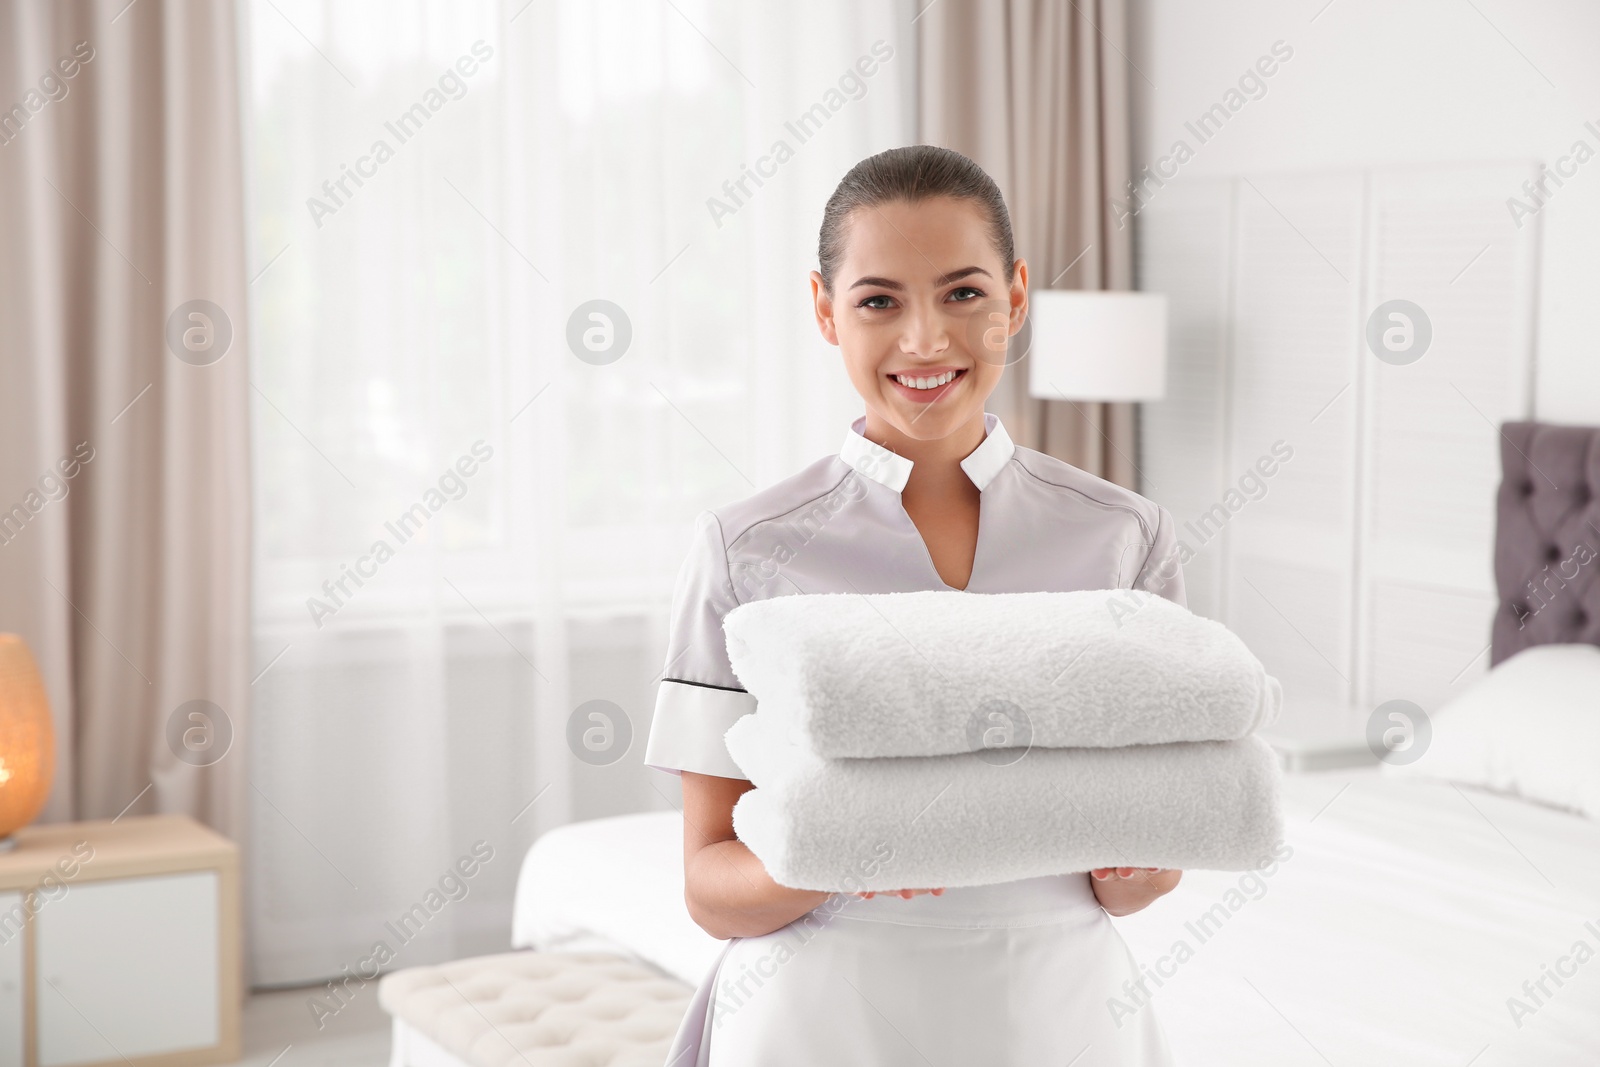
[919, 288]
[934, 293]
[951, 275]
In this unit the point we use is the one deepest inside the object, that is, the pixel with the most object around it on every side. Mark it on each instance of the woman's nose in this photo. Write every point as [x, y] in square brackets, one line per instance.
[926, 333]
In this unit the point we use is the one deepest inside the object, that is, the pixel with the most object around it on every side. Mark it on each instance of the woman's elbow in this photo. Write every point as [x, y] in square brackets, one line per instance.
[706, 918]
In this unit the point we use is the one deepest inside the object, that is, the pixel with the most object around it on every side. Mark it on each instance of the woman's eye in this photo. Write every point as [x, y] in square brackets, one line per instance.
[960, 295]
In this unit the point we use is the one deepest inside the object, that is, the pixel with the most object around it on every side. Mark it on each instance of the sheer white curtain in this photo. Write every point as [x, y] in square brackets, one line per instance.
[465, 531]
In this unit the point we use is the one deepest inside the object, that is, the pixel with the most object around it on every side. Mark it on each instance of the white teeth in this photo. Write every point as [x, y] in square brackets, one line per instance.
[925, 383]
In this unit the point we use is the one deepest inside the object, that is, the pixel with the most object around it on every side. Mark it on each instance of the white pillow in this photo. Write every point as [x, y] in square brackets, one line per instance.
[1529, 728]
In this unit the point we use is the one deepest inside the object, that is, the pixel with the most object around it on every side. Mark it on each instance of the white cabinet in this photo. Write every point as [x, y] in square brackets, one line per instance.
[128, 967]
[13, 922]
[119, 945]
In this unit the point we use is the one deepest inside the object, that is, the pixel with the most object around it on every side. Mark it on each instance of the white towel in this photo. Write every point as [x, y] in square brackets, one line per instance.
[937, 672]
[928, 821]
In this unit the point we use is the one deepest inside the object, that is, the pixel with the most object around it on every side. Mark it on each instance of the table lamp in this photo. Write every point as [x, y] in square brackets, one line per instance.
[27, 740]
[1097, 345]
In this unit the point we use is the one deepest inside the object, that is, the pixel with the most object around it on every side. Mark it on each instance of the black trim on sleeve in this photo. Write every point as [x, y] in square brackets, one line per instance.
[707, 685]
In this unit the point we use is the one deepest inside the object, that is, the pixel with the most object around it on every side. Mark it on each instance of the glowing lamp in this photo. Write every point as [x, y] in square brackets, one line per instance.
[27, 740]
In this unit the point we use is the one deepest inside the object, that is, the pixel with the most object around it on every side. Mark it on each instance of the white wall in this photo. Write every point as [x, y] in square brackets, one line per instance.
[1384, 83]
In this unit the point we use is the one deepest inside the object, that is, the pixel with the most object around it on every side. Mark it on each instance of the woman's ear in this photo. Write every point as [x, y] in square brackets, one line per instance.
[822, 305]
[1019, 295]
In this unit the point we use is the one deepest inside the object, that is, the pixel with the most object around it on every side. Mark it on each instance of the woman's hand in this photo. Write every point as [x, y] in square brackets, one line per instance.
[903, 894]
[1125, 890]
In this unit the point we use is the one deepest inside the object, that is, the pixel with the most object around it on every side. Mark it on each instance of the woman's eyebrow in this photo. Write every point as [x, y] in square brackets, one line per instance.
[955, 275]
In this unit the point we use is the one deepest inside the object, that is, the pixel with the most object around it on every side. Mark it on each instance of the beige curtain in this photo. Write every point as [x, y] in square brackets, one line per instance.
[1036, 92]
[124, 474]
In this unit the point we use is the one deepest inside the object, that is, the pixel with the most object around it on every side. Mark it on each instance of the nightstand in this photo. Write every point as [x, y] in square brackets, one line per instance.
[119, 944]
[1319, 750]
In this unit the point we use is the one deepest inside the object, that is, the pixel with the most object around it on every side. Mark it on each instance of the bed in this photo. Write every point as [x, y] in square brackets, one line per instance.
[1406, 915]
[1409, 921]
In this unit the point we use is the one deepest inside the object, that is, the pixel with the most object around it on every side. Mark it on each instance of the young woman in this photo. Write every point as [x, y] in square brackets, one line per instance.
[919, 287]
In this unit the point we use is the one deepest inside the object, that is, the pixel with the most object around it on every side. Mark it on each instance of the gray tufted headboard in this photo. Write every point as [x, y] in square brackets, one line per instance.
[1547, 539]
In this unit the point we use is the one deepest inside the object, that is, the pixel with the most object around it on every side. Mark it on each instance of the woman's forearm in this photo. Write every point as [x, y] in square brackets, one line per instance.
[727, 889]
[730, 893]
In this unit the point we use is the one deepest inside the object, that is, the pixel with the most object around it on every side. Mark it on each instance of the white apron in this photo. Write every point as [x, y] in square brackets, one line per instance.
[1013, 974]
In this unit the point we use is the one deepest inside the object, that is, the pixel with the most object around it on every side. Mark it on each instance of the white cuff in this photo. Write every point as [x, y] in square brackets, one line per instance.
[686, 733]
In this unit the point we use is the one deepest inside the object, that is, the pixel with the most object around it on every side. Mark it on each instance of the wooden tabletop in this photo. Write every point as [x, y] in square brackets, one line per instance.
[125, 847]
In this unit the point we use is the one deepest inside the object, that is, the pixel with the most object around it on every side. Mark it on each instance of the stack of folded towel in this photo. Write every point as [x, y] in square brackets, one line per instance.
[946, 738]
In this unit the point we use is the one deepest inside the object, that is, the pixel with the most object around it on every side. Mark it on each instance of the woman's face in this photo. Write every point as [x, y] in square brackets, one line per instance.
[921, 293]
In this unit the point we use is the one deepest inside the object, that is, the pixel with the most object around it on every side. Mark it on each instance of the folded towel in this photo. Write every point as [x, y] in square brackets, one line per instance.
[937, 672]
[969, 819]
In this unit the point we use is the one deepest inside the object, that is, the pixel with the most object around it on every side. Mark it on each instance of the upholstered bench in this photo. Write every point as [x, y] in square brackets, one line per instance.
[533, 1009]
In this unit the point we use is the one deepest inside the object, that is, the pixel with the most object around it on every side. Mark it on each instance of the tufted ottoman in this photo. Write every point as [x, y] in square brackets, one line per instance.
[533, 1009]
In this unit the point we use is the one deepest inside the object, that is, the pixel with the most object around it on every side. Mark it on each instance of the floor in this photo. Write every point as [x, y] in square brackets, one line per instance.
[281, 1030]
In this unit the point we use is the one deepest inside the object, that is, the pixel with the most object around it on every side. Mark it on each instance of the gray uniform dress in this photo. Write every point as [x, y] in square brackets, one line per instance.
[1029, 972]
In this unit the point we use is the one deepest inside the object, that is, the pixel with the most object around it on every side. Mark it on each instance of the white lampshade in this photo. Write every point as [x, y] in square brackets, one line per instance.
[1097, 345]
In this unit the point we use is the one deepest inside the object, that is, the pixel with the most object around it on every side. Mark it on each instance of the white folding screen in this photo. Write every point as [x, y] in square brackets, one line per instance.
[1186, 256]
[1296, 298]
[1340, 506]
[1443, 240]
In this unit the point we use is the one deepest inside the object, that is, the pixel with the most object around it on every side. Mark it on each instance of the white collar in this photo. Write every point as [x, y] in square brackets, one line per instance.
[892, 469]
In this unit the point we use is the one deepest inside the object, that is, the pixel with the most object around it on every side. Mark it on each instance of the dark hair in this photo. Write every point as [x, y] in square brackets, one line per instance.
[913, 173]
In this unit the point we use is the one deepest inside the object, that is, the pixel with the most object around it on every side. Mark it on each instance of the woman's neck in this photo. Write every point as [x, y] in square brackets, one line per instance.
[935, 463]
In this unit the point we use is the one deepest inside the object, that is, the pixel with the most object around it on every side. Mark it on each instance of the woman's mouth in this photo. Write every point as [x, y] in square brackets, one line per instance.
[925, 388]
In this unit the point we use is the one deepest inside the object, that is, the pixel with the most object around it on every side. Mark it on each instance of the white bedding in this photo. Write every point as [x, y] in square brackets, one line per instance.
[613, 885]
[1407, 915]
